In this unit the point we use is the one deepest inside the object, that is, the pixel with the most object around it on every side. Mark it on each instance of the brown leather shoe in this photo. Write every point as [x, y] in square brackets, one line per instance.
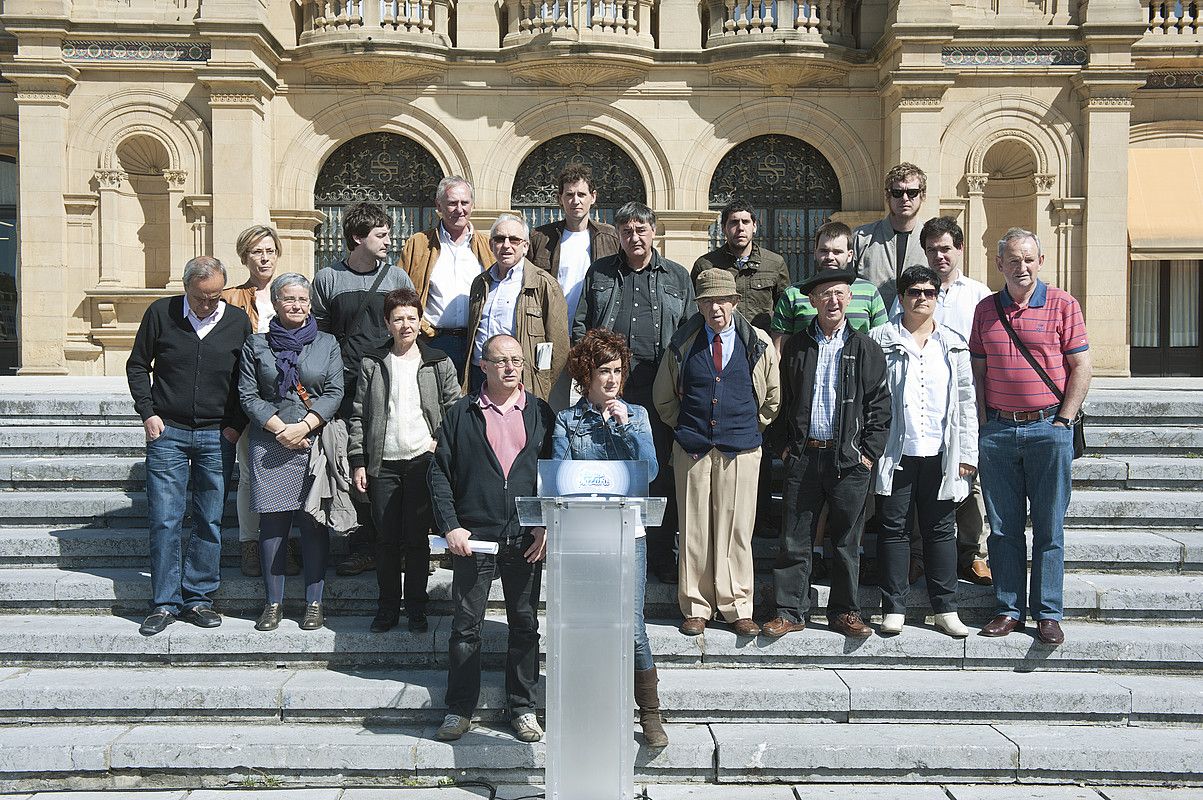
[745, 627]
[978, 573]
[1049, 631]
[850, 624]
[693, 626]
[779, 626]
[1001, 626]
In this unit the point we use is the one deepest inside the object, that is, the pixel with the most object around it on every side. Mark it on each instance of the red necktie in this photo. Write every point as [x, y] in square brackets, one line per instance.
[717, 350]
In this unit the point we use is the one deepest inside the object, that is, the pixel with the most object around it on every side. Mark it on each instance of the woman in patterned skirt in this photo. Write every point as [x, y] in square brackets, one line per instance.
[291, 383]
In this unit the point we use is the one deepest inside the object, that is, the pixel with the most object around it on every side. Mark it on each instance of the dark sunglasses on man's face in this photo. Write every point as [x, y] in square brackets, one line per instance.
[514, 240]
[911, 193]
[930, 294]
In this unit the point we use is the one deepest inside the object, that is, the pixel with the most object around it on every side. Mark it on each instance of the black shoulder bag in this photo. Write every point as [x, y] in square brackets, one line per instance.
[1079, 420]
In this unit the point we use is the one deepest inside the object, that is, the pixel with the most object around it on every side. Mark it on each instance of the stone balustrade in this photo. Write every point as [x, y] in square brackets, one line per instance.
[1173, 17]
[379, 20]
[628, 21]
[828, 21]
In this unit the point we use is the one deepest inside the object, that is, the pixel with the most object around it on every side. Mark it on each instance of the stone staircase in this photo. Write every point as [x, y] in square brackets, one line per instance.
[88, 703]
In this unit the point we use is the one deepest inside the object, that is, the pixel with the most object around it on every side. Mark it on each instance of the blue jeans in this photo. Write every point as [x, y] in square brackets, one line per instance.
[643, 650]
[1022, 465]
[185, 569]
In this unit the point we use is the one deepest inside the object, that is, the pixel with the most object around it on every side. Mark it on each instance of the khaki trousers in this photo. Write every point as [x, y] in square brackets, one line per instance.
[716, 498]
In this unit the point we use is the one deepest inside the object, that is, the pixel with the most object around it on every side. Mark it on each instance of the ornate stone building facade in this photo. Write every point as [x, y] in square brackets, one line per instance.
[147, 131]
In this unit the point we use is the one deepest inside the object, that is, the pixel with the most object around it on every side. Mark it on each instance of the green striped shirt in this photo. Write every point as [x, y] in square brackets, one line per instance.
[865, 311]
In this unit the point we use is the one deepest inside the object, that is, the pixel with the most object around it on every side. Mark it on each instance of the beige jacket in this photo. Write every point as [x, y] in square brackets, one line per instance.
[421, 252]
[540, 316]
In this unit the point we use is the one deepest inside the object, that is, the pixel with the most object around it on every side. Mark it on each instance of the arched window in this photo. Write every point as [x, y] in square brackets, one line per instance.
[614, 173]
[385, 168]
[792, 186]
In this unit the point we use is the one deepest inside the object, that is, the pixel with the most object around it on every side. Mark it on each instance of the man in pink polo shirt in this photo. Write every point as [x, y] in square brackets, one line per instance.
[1026, 439]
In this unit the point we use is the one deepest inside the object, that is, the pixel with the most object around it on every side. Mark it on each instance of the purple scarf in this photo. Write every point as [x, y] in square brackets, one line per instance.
[287, 343]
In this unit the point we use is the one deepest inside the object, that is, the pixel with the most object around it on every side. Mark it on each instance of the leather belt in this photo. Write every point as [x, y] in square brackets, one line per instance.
[820, 444]
[1027, 416]
[451, 331]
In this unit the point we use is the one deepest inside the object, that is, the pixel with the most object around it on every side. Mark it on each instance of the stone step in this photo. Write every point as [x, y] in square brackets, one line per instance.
[1143, 406]
[86, 548]
[84, 406]
[1134, 507]
[1163, 598]
[167, 755]
[1144, 437]
[745, 694]
[85, 508]
[40, 640]
[46, 440]
[91, 471]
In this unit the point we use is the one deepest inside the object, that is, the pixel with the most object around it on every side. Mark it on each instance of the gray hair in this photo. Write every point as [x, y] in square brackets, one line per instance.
[1016, 234]
[202, 267]
[511, 218]
[282, 282]
[446, 184]
[635, 211]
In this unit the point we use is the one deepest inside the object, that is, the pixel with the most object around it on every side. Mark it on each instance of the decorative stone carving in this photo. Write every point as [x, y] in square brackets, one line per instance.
[1043, 183]
[1011, 57]
[578, 73]
[365, 71]
[976, 182]
[124, 50]
[1123, 102]
[779, 77]
[176, 178]
[1175, 80]
[110, 178]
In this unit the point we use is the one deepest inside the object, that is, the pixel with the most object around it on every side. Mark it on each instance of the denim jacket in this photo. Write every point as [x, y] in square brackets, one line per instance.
[581, 433]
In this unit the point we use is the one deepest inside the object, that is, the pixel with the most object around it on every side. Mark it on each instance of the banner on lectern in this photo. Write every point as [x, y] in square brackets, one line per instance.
[571, 478]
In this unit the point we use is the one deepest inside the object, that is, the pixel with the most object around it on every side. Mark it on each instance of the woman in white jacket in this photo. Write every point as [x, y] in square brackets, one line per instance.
[930, 454]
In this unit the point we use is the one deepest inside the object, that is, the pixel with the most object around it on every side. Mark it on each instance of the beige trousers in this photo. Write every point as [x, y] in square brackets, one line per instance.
[716, 499]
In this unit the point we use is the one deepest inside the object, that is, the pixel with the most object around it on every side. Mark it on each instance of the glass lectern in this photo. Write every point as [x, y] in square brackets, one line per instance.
[590, 621]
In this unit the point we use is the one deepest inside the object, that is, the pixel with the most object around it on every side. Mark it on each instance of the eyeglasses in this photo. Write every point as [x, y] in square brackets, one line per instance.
[930, 294]
[516, 362]
[263, 251]
[911, 193]
[294, 301]
[514, 240]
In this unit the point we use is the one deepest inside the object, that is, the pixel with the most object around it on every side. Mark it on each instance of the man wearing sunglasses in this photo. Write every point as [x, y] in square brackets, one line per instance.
[882, 251]
[516, 298]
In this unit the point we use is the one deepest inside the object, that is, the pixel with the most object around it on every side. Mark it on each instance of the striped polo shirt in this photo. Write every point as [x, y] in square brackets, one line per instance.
[1050, 325]
[794, 311]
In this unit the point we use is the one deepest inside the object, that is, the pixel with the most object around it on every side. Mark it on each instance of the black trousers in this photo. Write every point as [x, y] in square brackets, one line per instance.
[811, 478]
[661, 539]
[401, 510]
[916, 490]
[471, 578]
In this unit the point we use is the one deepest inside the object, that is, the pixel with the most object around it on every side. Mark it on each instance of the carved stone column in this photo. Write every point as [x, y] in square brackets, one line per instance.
[108, 186]
[177, 226]
[977, 253]
[1042, 184]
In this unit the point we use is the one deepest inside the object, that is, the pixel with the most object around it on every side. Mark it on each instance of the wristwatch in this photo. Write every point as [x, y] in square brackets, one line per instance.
[1063, 421]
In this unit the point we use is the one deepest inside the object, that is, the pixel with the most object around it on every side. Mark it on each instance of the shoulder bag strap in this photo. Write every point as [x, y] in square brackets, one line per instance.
[1023, 350]
[363, 303]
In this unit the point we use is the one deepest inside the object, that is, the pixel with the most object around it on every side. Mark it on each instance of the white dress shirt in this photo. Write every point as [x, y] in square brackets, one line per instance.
[451, 281]
[203, 326]
[925, 395]
[498, 314]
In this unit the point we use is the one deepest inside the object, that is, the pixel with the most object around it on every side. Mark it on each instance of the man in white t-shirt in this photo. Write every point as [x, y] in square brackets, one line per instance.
[567, 248]
[943, 242]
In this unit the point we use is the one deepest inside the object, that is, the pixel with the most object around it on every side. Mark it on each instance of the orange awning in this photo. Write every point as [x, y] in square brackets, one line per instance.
[1165, 203]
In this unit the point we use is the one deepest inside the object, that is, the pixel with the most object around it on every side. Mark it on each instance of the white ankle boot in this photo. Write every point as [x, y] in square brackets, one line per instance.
[892, 623]
[951, 624]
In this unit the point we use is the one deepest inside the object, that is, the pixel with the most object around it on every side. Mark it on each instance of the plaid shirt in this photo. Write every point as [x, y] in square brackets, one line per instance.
[823, 405]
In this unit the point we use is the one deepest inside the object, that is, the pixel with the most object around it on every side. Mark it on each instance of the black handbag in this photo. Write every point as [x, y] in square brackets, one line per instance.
[1078, 423]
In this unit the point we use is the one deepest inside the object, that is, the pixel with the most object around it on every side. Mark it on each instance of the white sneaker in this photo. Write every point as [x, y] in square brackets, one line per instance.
[892, 623]
[526, 727]
[453, 727]
[951, 624]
